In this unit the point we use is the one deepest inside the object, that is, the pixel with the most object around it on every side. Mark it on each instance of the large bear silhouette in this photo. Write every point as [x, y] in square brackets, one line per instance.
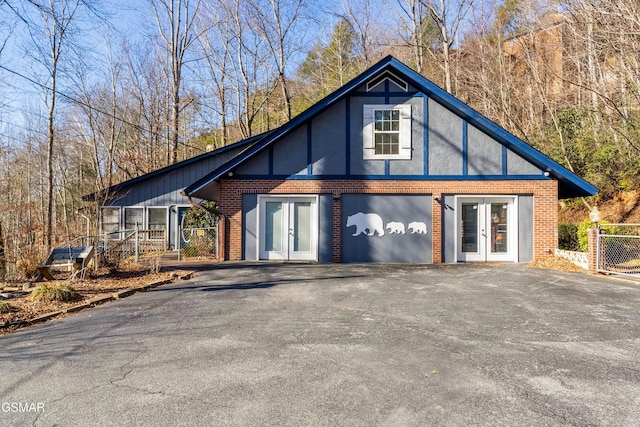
[369, 224]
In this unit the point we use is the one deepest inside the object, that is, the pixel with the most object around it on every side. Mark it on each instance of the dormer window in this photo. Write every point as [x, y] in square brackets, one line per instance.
[387, 131]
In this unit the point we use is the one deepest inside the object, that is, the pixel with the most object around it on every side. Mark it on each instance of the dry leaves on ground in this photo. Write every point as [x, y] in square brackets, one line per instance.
[556, 263]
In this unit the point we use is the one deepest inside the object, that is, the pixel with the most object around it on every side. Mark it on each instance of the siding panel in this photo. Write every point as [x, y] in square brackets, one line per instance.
[445, 141]
[484, 153]
[329, 142]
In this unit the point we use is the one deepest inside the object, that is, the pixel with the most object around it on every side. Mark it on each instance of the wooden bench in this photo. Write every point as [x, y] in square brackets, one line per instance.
[76, 258]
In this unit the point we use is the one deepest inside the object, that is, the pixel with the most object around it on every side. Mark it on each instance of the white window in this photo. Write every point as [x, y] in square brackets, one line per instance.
[157, 218]
[133, 217]
[110, 220]
[387, 131]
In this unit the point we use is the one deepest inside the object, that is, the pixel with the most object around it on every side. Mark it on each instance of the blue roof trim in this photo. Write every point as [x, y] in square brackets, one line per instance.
[396, 177]
[185, 163]
[570, 185]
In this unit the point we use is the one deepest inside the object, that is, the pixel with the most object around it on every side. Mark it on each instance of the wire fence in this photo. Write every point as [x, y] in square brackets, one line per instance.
[619, 253]
[199, 242]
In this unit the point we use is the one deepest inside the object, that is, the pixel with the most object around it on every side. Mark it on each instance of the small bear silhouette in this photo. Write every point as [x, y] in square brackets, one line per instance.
[418, 227]
[395, 228]
[368, 223]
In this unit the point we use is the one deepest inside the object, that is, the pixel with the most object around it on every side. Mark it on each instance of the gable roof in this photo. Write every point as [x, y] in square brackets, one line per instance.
[176, 166]
[569, 184]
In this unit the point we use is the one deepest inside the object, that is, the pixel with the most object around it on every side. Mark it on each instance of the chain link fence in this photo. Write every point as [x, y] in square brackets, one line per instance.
[199, 242]
[619, 253]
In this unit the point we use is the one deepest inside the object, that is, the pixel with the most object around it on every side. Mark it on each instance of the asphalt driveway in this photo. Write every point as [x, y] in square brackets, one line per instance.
[263, 344]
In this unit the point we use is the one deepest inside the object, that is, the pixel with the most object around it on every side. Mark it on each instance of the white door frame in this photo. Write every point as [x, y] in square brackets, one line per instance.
[484, 252]
[288, 234]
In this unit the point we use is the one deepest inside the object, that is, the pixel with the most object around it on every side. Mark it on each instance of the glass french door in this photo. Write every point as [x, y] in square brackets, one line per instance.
[486, 229]
[288, 228]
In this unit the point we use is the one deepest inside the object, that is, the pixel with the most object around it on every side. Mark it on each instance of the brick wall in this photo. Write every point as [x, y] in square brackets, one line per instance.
[545, 205]
[592, 252]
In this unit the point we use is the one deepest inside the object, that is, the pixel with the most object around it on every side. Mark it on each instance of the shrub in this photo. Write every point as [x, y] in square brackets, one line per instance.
[60, 293]
[28, 261]
[583, 235]
[5, 307]
[568, 236]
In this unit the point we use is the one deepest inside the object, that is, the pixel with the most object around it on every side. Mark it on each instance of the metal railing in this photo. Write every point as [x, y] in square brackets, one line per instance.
[619, 253]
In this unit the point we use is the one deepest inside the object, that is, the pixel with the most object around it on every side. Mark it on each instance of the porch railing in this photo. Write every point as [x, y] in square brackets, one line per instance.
[132, 243]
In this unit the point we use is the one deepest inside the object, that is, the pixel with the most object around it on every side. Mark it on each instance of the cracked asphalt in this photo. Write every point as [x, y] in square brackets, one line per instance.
[351, 345]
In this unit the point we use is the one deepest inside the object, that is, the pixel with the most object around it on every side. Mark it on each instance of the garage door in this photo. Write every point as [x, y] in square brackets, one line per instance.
[386, 228]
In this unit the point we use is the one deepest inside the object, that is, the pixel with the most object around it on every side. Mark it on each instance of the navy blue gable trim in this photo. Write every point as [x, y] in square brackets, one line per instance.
[505, 169]
[309, 146]
[534, 177]
[570, 185]
[425, 134]
[391, 94]
[465, 148]
[385, 77]
[347, 157]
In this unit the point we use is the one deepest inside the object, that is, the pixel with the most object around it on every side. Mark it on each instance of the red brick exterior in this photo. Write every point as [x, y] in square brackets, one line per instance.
[545, 205]
[592, 252]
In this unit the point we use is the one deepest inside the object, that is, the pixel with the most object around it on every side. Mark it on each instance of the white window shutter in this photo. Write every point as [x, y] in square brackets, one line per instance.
[367, 131]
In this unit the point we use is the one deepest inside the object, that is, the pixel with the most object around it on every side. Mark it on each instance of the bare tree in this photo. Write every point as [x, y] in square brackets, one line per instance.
[363, 16]
[213, 68]
[277, 22]
[250, 70]
[175, 20]
[51, 39]
[448, 16]
[410, 18]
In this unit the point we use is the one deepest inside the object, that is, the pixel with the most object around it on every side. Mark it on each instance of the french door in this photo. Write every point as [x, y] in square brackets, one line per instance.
[487, 229]
[288, 228]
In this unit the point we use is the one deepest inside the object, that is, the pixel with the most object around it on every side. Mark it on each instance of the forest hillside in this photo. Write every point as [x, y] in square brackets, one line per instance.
[95, 93]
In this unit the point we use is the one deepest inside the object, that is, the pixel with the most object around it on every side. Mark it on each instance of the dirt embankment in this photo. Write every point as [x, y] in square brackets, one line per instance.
[623, 208]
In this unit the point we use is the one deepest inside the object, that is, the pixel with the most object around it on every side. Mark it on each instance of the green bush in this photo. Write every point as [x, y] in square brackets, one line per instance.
[60, 293]
[568, 236]
[583, 235]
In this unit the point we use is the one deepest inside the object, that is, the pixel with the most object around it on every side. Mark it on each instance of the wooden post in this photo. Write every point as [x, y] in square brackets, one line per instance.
[137, 246]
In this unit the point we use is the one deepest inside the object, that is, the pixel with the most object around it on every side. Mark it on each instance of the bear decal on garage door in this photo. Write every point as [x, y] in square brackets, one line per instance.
[418, 227]
[371, 223]
[396, 228]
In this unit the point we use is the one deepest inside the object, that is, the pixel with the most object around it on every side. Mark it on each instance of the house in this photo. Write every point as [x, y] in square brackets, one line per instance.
[154, 201]
[389, 168]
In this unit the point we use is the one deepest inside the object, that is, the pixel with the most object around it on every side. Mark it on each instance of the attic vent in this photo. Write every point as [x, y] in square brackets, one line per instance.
[384, 76]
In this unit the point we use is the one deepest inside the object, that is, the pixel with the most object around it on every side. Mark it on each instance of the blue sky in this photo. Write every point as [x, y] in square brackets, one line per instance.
[22, 106]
